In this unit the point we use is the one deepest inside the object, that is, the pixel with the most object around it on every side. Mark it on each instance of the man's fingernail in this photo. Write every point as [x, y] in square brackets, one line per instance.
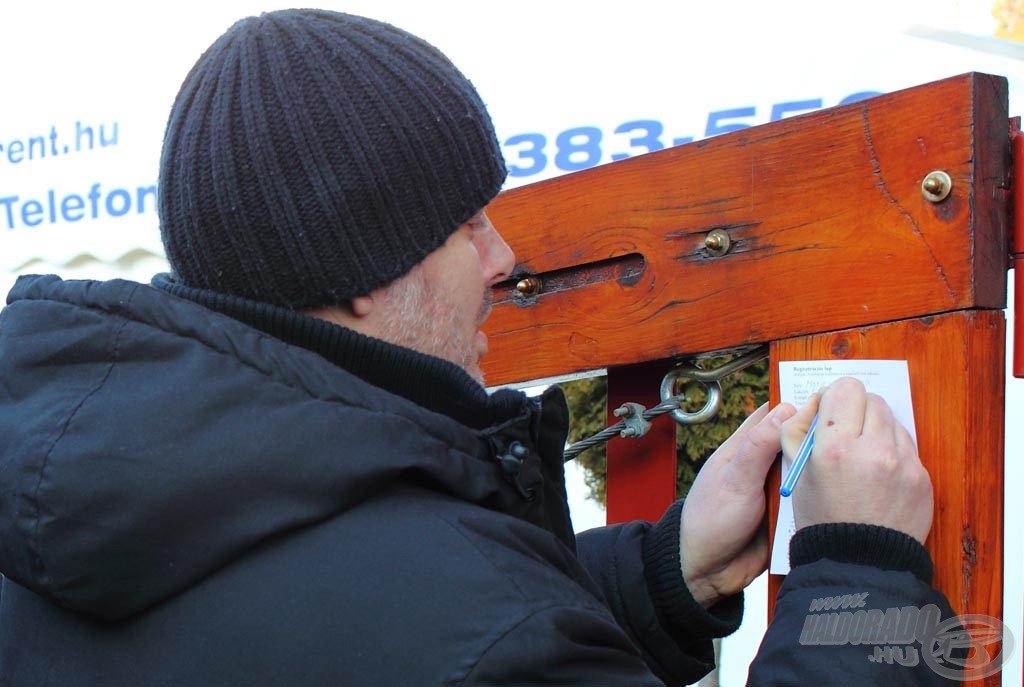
[779, 415]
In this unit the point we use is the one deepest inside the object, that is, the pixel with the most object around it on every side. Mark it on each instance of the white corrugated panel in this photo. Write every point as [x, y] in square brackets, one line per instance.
[136, 265]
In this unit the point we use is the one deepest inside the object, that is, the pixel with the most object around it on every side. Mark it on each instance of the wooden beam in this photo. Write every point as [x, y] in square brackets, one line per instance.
[826, 218]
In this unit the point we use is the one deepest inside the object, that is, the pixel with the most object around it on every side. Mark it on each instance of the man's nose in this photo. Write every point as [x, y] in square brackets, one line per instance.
[498, 258]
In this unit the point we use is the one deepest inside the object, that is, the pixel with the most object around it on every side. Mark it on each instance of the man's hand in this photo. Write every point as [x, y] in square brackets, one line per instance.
[724, 544]
[864, 467]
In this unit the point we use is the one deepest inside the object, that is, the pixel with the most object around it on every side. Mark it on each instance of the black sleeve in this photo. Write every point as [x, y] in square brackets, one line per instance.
[856, 608]
[637, 567]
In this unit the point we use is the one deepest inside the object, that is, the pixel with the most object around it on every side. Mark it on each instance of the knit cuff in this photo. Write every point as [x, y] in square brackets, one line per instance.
[846, 542]
[678, 612]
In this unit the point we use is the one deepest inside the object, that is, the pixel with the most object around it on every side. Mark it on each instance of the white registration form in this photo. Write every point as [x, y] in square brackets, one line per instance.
[798, 379]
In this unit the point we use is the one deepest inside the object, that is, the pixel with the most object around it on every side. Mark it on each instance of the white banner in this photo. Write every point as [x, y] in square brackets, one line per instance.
[86, 89]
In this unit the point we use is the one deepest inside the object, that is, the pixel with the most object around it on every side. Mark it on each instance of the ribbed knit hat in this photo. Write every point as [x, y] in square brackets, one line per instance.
[312, 156]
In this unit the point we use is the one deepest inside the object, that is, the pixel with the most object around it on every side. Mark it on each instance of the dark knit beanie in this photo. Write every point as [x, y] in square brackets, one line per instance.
[312, 156]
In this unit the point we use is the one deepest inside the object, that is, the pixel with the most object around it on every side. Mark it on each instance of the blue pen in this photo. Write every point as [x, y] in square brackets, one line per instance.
[802, 454]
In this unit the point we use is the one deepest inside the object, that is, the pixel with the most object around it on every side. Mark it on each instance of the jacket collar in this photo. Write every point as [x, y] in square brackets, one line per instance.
[428, 381]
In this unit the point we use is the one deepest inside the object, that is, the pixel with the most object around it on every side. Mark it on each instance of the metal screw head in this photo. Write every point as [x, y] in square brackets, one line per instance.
[936, 186]
[718, 242]
[528, 287]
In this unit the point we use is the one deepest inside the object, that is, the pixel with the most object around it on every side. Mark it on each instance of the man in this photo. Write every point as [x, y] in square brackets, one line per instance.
[279, 466]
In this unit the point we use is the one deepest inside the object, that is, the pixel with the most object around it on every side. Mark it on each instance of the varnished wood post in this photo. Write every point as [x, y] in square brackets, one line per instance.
[957, 373]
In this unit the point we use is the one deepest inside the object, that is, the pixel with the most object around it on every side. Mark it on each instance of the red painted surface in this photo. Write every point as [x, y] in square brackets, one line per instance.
[1017, 248]
[641, 472]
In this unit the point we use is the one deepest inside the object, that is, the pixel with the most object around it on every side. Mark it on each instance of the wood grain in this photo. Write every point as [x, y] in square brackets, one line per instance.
[828, 224]
[957, 385]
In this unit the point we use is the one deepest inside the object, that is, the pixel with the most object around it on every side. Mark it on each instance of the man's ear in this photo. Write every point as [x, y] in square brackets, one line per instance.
[353, 314]
[362, 306]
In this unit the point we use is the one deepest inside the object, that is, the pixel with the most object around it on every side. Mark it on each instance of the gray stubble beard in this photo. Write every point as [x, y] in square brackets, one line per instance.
[414, 317]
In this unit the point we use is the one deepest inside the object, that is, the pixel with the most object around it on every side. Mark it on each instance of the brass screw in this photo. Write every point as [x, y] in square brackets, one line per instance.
[936, 186]
[528, 287]
[718, 242]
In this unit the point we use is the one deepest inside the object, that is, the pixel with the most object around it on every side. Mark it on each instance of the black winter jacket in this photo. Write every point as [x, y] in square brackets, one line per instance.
[192, 498]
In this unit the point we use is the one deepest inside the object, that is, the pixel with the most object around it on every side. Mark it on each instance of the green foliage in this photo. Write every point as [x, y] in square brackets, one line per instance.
[588, 410]
[742, 393]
